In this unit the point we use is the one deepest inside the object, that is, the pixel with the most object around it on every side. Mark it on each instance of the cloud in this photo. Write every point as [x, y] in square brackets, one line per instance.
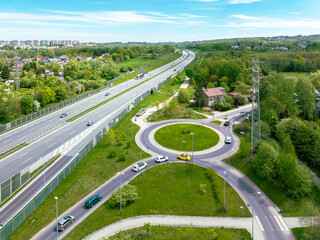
[243, 17]
[206, 0]
[243, 1]
[100, 17]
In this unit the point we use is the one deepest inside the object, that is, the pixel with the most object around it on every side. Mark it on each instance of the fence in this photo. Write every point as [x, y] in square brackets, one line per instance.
[20, 217]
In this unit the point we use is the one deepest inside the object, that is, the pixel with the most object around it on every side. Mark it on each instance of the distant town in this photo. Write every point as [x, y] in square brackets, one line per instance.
[26, 44]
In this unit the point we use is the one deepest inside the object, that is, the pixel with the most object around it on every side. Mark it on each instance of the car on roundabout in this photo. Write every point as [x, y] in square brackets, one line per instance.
[228, 140]
[183, 156]
[160, 159]
[226, 123]
[65, 222]
[139, 166]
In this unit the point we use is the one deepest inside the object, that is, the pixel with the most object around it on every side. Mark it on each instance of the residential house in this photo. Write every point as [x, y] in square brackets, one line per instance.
[212, 95]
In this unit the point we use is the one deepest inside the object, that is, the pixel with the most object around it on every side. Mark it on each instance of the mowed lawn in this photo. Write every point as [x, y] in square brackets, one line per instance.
[175, 233]
[169, 189]
[173, 136]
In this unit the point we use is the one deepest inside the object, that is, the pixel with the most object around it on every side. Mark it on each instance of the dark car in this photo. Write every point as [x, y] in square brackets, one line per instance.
[92, 201]
[107, 94]
[65, 222]
[226, 123]
[63, 115]
[90, 123]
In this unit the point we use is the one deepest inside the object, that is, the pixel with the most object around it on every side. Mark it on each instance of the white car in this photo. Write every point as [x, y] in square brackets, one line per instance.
[139, 166]
[160, 159]
[228, 140]
[90, 123]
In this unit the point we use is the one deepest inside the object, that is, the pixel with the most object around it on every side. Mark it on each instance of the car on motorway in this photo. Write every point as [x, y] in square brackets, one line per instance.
[63, 115]
[183, 156]
[139, 166]
[160, 159]
[91, 122]
[228, 140]
[92, 201]
[226, 123]
[65, 222]
[107, 94]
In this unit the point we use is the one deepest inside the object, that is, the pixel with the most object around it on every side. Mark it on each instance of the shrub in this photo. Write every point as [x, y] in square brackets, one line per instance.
[113, 153]
[128, 195]
[203, 189]
[123, 157]
[129, 143]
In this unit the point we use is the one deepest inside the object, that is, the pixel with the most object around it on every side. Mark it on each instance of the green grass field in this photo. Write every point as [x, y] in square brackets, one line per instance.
[292, 207]
[216, 122]
[172, 137]
[177, 233]
[165, 61]
[169, 189]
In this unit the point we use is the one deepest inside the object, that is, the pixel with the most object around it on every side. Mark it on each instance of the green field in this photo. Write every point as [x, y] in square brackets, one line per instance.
[307, 233]
[177, 233]
[165, 61]
[172, 137]
[169, 189]
[216, 122]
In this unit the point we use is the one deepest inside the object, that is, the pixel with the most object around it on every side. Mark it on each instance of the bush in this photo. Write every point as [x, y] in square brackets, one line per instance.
[128, 195]
[203, 189]
[113, 153]
[123, 157]
[221, 107]
[129, 143]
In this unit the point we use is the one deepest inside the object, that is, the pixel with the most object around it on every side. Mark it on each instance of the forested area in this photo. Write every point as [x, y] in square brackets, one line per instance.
[37, 90]
[289, 120]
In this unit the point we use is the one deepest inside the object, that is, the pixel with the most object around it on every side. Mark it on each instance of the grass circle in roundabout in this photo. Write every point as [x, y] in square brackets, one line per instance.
[179, 137]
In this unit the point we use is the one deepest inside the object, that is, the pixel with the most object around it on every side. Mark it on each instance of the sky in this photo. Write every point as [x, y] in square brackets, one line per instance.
[155, 20]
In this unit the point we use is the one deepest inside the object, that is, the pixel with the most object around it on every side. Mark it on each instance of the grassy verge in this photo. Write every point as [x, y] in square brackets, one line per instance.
[216, 122]
[169, 189]
[178, 113]
[172, 58]
[90, 172]
[291, 206]
[124, 79]
[140, 61]
[175, 233]
[12, 150]
[181, 139]
[307, 233]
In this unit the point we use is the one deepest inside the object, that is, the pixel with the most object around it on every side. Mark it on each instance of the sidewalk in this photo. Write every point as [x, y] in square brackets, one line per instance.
[175, 221]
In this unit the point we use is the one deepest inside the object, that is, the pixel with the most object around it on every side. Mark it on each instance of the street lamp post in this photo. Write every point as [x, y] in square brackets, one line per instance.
[56, 216]
[224, 191]
[192, 148]
[121, 173]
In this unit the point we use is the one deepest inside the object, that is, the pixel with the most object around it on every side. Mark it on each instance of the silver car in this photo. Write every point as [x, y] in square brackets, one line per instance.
[65, 222]
[160, 159]
[90, 123]
[139, 166]
[228, 140]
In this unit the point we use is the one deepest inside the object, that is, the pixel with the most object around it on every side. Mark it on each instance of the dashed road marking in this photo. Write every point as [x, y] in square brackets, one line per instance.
[269, 223]
[275, 217]
[259, 223]
[283, 223]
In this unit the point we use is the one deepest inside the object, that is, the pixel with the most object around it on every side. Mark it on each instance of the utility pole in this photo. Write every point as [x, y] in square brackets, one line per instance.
[255, 123]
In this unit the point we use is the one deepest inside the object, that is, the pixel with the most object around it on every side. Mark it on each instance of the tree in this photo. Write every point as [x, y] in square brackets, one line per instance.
[111, 137]
[26, 104]
[46, 96]
[61, 94]
[183, 96]
[5, 73]
[55, 67]
[129, 194]
[71, 69]
[266, 161]
[306, 98]
[26, 66]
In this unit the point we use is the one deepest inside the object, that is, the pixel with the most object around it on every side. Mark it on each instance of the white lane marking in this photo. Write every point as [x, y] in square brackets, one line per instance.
[283, 224]
[26, 160]
[51, 144]
[275, 217]
[259, 223]
[48, 140]
[269, 223]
